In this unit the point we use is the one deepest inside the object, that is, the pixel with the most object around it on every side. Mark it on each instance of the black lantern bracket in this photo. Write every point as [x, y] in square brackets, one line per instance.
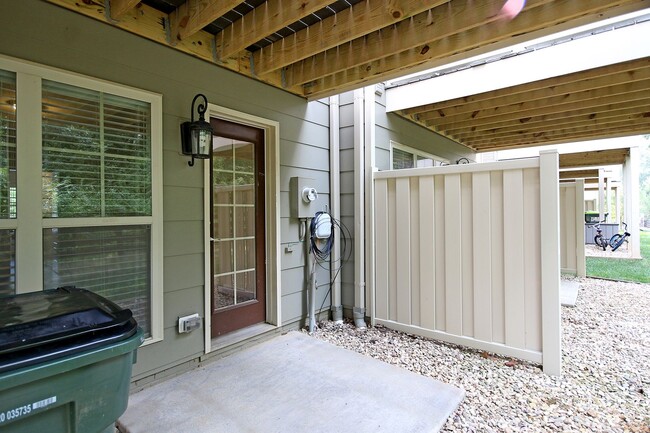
[196, 136]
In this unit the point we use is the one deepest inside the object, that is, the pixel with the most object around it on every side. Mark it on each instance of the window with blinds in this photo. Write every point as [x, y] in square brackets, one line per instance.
[8, 192]
[114, 262]
[96, 154]
[406, 157]
[402, 159]
[97, 163]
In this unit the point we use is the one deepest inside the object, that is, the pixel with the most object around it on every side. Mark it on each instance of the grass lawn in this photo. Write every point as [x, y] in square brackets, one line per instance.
[623, 269]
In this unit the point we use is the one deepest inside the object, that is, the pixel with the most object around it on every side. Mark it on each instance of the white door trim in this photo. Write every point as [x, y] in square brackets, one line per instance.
[272, 168]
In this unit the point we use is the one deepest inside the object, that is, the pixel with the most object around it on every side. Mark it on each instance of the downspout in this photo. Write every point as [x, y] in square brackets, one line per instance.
[335, 204]
[358, 312]
[369, 168]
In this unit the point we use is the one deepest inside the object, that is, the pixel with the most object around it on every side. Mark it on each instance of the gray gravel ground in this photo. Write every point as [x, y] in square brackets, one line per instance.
[605, 384]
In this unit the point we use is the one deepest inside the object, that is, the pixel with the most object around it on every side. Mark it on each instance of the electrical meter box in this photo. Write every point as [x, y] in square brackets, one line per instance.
[302, 197]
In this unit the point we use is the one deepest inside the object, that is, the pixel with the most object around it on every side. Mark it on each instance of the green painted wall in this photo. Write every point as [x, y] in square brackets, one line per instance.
[40, 32]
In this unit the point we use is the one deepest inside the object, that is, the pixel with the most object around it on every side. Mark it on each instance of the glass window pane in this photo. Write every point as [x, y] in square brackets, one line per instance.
[96, 153]
[245, 217]
[223, 222]
[245, 254]
[222, 154]
[114, 262]
[223, 257]
[244, 188]
[246, 286]
[7, 144]
[224, 291]
[402, 159]
[7, 262]
[222, 188]
[244, 157]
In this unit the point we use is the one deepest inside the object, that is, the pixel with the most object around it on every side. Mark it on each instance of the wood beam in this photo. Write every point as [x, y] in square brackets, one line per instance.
[578, 174]
[148, 23]
[562, 135]
[557, 16]
[359, 20]
[620, 122]
[262, 21]
[190, 17]
[559, 118]
[120, 7]
[599, 122]
[570, 79]
[555, 120]
[594, 158]
[524, 110]
[513, 95]
[427, 27]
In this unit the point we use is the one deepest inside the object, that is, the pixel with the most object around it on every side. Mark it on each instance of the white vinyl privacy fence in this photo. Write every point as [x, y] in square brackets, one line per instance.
[469, 254]
[572, 228]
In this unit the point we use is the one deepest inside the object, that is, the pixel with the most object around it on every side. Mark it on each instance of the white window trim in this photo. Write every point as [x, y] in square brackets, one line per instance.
[415, 152]
[29, 247]
[272, 175]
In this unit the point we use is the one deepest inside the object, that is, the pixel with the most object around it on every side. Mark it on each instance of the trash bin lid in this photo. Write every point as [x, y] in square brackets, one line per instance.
[39, 326]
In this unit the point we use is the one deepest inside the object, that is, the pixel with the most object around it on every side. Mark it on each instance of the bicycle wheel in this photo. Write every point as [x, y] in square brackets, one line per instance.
[599, 241]
[616, 241]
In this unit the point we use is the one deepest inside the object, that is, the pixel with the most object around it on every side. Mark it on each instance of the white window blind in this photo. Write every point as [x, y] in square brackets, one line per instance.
[7, 182]
[114, 262]
[402, 159]
[97, 163]
[96, 154]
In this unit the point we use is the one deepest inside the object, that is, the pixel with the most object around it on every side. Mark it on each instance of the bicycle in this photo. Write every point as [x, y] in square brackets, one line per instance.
[618, 239]
[599, 239]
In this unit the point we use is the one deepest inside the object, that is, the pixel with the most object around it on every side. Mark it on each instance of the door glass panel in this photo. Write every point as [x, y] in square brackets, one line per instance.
[245, 221]
[223, 257]
[224, 288]
[233, 227]
[246, 286]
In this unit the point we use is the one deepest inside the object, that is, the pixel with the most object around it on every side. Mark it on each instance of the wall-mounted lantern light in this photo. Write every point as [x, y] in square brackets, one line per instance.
[196, 136]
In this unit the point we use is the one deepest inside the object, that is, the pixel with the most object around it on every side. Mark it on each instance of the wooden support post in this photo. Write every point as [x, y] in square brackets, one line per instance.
[550, 258]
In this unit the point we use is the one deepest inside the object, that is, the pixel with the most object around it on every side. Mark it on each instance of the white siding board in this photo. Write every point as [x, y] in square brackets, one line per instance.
[382, 248]
[403, 249]
[532, 274]
[427, 253]
[496, 235]
[467, 266]
[513, 222]
[439, 233]
[414, 253]
[482, 257]
[453, 255]
[392, 252]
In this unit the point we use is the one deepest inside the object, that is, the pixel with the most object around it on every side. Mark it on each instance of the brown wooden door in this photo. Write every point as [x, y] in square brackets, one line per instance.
[237, 227]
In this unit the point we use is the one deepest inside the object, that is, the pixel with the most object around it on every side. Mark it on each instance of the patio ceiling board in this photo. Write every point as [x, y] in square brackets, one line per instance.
[317, 48]
[638, 70]
[594, 158]
[579, 174]
[566, 135]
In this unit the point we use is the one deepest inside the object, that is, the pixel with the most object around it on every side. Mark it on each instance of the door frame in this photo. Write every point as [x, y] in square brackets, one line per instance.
[272, 196]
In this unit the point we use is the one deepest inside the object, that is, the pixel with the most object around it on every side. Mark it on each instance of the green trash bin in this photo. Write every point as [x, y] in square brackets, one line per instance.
[65, 362]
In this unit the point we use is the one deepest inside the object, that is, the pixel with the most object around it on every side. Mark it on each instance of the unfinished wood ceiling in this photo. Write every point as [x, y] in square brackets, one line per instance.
[611, 101]
[317, 48]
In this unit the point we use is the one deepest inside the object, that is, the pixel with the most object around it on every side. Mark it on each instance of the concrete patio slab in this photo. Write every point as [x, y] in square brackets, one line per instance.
[293, 383]
[569, 293]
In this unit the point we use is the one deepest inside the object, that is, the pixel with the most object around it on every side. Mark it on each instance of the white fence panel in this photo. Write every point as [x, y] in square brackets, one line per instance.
[460, 258]
[572, 228]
